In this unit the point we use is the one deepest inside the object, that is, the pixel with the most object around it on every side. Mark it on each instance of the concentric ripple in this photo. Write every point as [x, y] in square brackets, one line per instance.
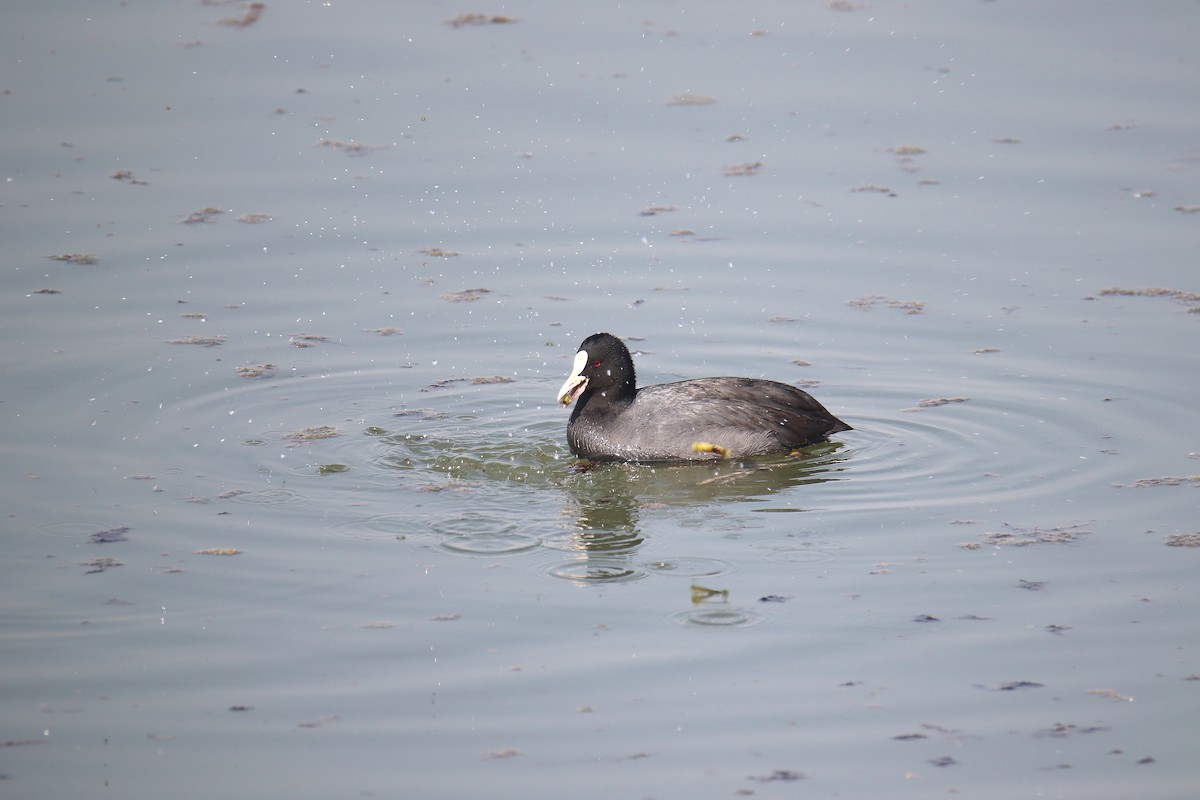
[483, 470]
[473, 533]
[689, 567]
[994, 442]
[596, 570]
[720, 618]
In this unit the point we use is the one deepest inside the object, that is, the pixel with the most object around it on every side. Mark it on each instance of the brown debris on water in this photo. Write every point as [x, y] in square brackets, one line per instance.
[83, 259]
[1022, 537]
[1010, 686]
[907, 150]
[256, 371]
[125, 176]
[869, 301]
[251, 12]
[906, 156]
[351, 148]
[1176, 294]
[1188, 209]
[205, 216]
[46, 291]
[784, 775]
[442, 384]
[384, 331]
[255, 218]
[465, 295]
[460, 486]
[491, 379]
[437, 252]
[312, 433]
[328, 719]
[202, 341]
[111, 535]
[101, 564]
[873, 188]
[422, 414]
[507, 752]
[306, 339]
[691, 99]
[941, 401]
[651, 211]
[935, 402]
[1170, 480]
[1183, 540]
[480, 19]
[743, 170]
[219, 551]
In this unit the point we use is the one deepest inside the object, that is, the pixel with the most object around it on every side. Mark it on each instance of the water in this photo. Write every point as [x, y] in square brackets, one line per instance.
[375, 569]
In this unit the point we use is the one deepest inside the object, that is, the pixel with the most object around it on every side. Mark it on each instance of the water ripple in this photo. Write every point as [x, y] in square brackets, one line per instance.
[269, 497]
[499, 446]
[476, 533]
[1000, 444]
[689, 567]
[717, 618]
[596, 570]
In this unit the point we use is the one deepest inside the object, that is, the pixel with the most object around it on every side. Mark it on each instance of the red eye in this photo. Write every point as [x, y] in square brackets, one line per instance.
[597, 362]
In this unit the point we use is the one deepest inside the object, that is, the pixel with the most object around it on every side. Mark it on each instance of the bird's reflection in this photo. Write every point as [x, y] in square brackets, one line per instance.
[604, 502]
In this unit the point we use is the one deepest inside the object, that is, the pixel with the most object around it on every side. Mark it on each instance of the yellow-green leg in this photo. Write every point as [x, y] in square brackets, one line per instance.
[709, 447]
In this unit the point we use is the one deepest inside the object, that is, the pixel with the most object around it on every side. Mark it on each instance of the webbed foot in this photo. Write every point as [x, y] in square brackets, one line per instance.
[709, 447]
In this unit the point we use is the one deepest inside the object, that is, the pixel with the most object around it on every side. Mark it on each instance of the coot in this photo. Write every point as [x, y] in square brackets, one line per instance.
[692, 420]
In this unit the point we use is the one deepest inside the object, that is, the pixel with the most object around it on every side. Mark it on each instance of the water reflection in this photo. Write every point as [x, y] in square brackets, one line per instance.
[603, 500]
[599, 524]
[604, 504]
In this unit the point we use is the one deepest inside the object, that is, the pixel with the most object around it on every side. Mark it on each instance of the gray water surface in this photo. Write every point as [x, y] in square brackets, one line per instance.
[289, 509]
